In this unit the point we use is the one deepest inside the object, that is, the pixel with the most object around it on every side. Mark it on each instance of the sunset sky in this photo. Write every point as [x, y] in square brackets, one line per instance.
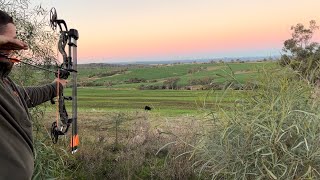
[143, 30]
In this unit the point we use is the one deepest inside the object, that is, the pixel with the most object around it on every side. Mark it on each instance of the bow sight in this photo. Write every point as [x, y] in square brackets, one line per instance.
[68, 66]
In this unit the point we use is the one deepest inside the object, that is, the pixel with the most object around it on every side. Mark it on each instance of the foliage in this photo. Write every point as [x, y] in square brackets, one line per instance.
[106, 74]
[32, 25]
[301, 54]
[135, 80]
[196, 69]
[271, 132]
[171, 83]
[150, 87]
[201, 81]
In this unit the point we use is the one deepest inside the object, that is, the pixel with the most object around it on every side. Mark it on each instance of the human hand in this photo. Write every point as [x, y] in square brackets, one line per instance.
[63, 82]
[7, 43]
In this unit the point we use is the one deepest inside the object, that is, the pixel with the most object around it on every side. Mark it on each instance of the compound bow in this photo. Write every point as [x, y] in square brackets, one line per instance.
[68, 67]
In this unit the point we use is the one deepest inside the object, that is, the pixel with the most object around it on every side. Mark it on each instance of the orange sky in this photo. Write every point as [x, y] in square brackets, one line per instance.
[125, 30]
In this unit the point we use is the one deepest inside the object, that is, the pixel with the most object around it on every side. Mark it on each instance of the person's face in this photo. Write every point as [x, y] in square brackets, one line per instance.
[6, 64]
[9, 31]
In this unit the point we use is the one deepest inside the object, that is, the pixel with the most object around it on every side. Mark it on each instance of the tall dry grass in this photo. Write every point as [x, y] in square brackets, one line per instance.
[272, 132]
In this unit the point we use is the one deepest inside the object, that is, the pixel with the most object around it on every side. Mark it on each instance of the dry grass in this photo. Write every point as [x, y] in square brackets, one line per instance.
[136, 145]
[271, 133]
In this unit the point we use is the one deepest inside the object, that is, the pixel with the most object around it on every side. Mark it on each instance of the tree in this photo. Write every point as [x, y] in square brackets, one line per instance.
[171, 83]
[32, 25]
[300, 53]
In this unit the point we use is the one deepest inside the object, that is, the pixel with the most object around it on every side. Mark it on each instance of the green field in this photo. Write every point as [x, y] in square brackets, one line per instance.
[123, 96]
[157, 74]
[163, 102]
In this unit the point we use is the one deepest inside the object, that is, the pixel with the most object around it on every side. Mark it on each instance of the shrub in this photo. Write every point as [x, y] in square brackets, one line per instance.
[201, 81]
[135, 80]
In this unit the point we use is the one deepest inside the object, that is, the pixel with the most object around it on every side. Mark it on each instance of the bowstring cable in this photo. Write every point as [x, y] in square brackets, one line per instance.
[58, 91]
[58, 100]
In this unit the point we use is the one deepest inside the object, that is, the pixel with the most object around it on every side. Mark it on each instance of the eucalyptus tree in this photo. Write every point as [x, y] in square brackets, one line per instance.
[301, 53]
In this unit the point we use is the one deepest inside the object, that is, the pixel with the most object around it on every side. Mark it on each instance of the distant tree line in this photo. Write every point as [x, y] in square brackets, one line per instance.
[172, 83]
[108, 73]
[201, 81]
[205, 83]
[196, 69]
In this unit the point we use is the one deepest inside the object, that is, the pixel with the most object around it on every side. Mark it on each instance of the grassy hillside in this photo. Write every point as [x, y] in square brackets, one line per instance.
[120, 76]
